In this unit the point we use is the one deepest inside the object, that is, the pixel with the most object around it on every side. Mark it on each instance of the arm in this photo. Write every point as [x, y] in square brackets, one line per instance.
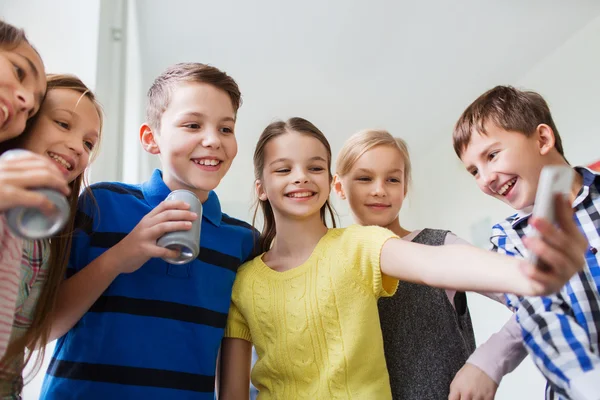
[236, 357]
[467, 268]
[560, 346]
[78, 293]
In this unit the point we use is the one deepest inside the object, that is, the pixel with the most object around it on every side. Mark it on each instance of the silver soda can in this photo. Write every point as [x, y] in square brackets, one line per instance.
[186, 242]
[30, 222]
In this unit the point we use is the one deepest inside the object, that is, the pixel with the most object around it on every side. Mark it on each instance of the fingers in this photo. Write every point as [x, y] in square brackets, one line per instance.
[11, 197]
[168, 205]
[33, 173]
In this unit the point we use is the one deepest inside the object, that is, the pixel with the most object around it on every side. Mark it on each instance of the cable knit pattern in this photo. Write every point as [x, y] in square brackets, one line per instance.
[316, 327]
[10, 278]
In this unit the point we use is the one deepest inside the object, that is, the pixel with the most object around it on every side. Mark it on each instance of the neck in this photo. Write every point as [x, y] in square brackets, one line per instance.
[175, 184]
[297, 236]
[395, 227]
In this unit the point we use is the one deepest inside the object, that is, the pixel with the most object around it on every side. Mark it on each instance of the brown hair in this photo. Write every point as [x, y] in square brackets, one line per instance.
[10, 36]
[60, 248]
[160, 91]
[275, 129]
[509, 108]
[363, 141]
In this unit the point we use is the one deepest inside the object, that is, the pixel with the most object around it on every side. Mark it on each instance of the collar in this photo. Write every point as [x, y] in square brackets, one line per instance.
[589, 179]
[155, 191]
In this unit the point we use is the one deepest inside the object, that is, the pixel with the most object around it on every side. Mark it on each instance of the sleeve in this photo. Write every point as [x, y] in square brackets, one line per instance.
[502, 352]
[500, 243]
[36, 253]
[10, 269]
[237, 326]
[363, 245]
[560, 347]
[87, 209]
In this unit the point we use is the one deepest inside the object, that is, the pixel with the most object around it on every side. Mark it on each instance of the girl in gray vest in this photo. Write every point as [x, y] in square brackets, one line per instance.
[427, 332]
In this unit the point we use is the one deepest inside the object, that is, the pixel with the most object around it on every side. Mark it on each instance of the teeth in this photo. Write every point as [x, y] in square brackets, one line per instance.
[5, 111]
[60, 160]
[507, 186]
[207, 162]
[300, 194]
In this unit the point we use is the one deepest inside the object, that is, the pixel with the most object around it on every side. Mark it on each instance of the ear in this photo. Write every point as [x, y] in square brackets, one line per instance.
[148, 139]
[545, 138]
[338, 188]
[260, 190]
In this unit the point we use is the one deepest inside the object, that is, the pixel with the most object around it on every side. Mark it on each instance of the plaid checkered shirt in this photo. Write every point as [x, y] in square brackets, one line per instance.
[562, 332]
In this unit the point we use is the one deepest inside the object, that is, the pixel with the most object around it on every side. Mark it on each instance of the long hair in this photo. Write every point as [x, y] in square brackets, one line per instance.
[10, 36]
[272, 131]
[20, 351]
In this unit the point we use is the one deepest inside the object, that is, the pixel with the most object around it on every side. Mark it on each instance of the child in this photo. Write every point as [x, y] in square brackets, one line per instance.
[504, 139]
[427, 332]
[309, 303]
[65, 131]
[132, 326]
[22, 87]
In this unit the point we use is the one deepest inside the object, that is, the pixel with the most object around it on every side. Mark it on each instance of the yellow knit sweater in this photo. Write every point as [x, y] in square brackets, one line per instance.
[316, 327]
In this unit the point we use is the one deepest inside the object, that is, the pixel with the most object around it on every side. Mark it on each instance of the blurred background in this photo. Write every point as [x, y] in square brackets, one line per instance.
[410, 67]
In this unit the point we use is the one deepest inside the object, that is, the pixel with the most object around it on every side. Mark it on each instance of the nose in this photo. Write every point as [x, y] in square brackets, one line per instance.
[300, 177]
[76, 145]
[488, 179]
[378, 189]
[211, 138]
[25, 100]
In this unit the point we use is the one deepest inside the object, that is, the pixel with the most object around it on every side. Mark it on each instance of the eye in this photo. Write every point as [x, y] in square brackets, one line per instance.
[317, 169]
[473, 171]
[20, 72]
[363, 179]
[192, 125]
[226, 130]
[282, 170]
[89, 145]
[62, 124]
[394, 180]
[492, 155]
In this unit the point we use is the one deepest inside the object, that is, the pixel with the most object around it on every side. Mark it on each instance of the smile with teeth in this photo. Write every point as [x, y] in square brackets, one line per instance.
[300, 194]
[502, 191]
[204, 161]
[60, 160]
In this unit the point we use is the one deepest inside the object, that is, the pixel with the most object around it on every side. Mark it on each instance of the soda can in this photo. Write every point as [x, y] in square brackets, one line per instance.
[30, 222]
[187, 242]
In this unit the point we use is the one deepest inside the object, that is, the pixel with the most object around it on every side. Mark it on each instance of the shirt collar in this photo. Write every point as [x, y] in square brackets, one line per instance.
[155, 191]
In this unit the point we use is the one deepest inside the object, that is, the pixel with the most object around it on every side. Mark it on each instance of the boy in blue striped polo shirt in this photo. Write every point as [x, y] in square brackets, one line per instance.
[505, 138]
[132, 326]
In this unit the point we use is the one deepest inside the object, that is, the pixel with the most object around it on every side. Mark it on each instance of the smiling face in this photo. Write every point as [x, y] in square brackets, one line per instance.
[295, 178]
[196, 140]
[22, 88]
[66, 130]
[375, 186]
[506, 164]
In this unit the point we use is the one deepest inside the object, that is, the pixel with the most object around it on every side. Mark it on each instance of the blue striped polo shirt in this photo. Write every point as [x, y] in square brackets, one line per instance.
[154, 333]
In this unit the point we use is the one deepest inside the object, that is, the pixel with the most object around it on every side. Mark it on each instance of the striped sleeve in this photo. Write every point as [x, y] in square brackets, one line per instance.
[10, 259]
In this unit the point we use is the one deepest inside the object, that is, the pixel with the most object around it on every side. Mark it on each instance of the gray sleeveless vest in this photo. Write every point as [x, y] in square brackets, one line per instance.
[426, 340]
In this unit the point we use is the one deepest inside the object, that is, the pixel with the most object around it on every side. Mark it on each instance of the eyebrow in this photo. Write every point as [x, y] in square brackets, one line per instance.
[200, 115]
[317, 158]
[366, 170]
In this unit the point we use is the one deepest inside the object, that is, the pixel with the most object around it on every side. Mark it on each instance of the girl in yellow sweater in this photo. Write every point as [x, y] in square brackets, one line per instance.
[308, 303]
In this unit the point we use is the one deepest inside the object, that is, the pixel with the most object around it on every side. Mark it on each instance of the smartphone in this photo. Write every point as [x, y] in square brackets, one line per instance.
[554, 180]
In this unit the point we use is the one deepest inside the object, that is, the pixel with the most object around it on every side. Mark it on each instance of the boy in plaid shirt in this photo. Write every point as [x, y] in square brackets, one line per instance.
[504, 139]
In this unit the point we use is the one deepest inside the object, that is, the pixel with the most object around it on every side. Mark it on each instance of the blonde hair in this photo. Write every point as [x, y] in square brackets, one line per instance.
[363, 141]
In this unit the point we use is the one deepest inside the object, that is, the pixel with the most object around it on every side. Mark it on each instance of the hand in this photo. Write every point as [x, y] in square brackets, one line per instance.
[561, 249]
[140, 245]
[25, 171]
[471, 383]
